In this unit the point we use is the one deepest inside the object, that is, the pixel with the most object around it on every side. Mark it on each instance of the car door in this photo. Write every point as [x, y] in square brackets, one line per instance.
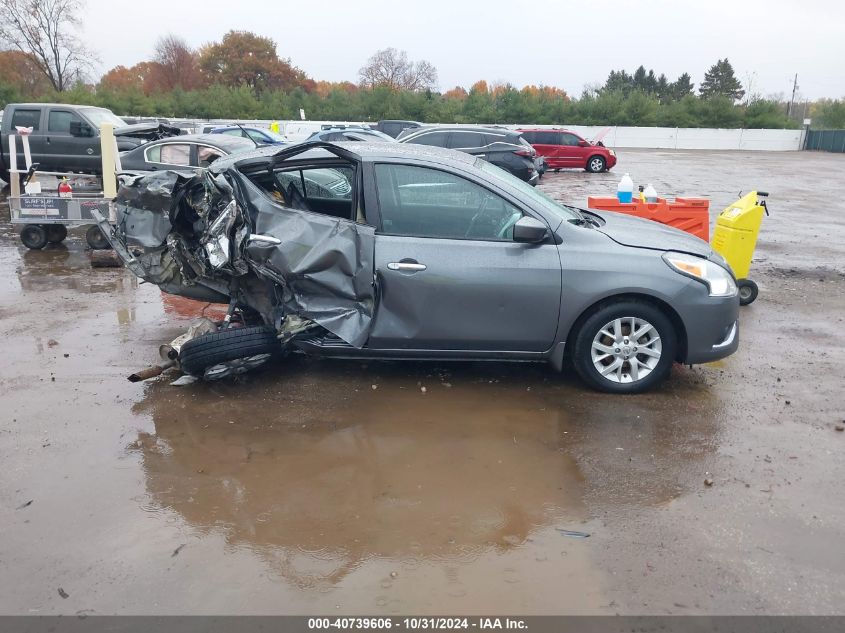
[71, 152]
[575, 155]
[449, 275]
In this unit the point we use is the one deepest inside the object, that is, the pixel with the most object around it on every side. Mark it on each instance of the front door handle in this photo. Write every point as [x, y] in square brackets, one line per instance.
[406, 266]
[264, 239]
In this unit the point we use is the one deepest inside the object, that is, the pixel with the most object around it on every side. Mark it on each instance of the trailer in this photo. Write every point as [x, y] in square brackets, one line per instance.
[44, 213]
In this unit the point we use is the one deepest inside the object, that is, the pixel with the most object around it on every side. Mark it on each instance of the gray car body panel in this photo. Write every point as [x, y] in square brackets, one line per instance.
[475, 299]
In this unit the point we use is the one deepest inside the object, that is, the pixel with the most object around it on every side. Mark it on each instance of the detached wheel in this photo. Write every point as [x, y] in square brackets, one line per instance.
[55, 233]
[34, 236]
[748, 291]
[625, 347]
[227, 345]
[95, 238]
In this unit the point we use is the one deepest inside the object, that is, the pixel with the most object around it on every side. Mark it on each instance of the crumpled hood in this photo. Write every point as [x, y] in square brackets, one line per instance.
[640, 233]
[148, 131]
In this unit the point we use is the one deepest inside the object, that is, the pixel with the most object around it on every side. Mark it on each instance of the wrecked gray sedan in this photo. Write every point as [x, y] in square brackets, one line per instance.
[407, 251]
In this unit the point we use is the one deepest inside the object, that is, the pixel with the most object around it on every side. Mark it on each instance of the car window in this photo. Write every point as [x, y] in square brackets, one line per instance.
[207, 155]
[169, 154]
[437, 139]
[569, 139]
[233, 132]
[26, 118]
[59, 121]
[464, 140]
[257, 136]
[531, 137]
[548, 138]
[324, 190]
[424, 202]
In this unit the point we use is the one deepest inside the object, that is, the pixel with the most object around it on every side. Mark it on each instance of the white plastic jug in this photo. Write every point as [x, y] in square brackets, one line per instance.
[625, 190]
[650, 194]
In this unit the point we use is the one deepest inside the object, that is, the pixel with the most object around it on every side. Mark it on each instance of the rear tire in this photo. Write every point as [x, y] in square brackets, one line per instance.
[596, 164]
[227, 345]
[748, 291]
[55, 233]
[641, 363]
[95, 238]
[34, 236]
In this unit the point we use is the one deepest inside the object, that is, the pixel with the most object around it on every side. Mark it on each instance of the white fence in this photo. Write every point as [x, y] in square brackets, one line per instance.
[645, 137]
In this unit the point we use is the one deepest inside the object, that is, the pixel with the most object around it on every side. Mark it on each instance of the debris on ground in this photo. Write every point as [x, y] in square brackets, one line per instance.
[25, 505]
[64, 594]
[177, 550]
[708, 482]
[573, 533]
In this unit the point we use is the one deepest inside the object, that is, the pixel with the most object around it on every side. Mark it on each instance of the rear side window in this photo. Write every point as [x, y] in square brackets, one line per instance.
[569, 139]
[26, 118]
[437, 139]
[548, 138]
[59, 121]
[466, 140]
[169, 154]
[531, 137]
[234, 132]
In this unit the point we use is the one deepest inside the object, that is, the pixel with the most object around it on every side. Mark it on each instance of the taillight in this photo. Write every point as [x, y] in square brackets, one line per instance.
[524, 152]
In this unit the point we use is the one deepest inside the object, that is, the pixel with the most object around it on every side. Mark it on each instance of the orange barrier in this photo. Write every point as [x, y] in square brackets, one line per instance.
[688, 214]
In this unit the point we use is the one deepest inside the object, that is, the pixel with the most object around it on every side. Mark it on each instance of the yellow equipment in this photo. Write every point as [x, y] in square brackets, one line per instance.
[735, 236]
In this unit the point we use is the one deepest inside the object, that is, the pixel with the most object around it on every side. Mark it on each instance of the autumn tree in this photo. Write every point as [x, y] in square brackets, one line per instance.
[242, 58]
[21, 72]
[391, 68]
[45, 30]
[176, 64]
[720, 80]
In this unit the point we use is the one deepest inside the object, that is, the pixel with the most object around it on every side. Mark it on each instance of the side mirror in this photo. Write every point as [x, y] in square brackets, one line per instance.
[583, 143]
[529, 230]
[78, 128]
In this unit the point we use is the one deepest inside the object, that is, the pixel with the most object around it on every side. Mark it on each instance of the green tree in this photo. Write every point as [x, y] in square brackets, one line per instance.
[720, 80]
[681, 87]
[829, 113]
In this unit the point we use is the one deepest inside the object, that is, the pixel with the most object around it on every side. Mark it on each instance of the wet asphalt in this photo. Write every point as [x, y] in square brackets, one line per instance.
[340, 487]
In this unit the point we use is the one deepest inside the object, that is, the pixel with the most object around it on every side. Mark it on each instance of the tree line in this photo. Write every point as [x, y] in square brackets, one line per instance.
[242, 76]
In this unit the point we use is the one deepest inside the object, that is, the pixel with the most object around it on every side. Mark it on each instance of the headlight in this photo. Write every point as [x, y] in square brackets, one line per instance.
[611, 152]
[718, 280]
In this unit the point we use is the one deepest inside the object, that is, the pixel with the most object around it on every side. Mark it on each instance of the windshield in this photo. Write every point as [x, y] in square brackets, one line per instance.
[274, 136]
[560, 210]
[98, 116]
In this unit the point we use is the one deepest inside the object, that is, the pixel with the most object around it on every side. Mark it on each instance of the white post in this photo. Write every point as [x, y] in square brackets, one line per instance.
[108, 151]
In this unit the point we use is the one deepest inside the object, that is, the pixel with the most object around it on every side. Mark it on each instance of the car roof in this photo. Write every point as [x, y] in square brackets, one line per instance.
[460, 128]
[545, 129]
[229, 143]
[363, 151]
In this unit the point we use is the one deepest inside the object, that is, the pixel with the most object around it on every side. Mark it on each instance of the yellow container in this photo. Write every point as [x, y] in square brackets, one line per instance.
[735, 237]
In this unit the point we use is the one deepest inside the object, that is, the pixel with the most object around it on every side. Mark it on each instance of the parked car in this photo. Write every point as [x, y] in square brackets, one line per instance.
[564, 149]
[498, 146]
[260, 136]
[351, 134]
[417, 252]
[66, 137]
[394, 127]
[189, 151]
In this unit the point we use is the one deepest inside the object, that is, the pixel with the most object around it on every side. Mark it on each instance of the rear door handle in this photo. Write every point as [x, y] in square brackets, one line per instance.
[406, 266]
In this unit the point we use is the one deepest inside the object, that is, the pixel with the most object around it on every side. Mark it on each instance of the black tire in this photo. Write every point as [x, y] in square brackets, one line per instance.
[596, 164]
[34, 236]
[748, 291]
[56, 233]
[231, 344]
[606, 314]
[95, 238]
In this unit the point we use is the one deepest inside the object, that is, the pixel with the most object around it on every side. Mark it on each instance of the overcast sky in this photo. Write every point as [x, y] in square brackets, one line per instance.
[568, 43]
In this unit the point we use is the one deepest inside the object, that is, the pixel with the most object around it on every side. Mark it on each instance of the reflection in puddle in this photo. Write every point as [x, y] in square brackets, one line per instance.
[320, 474]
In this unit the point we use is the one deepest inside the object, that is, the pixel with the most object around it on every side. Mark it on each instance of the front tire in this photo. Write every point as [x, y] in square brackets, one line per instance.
[34, 236]
[223, 346]
[625, 347]
[596, 164]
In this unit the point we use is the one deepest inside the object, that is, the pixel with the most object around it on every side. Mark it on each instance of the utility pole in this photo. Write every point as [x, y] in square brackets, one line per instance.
[792, 102]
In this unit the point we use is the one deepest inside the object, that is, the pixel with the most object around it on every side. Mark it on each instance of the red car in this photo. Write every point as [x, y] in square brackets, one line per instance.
[564, 149]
